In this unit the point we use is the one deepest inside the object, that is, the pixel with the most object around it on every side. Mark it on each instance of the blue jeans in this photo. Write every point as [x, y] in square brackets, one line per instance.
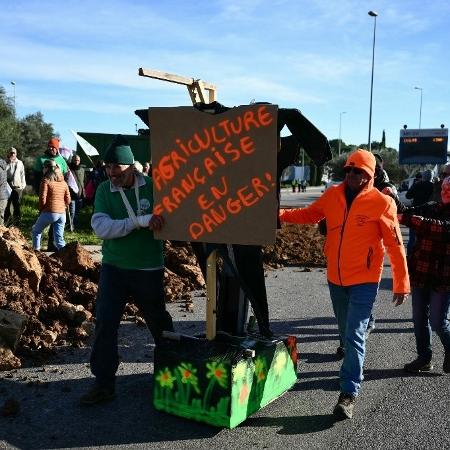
[352, 306]
[46, 218]
[115, 288]
[430, 312]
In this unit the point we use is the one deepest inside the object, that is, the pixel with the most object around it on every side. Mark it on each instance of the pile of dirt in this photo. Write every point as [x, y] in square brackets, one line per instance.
[296, 245]
[57, 293]
[57, 300]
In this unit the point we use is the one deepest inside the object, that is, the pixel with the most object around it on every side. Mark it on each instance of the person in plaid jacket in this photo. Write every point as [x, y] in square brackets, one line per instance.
[429, 270]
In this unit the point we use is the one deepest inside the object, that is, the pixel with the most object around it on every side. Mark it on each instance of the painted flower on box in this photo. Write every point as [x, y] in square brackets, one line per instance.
[165, 378]
[188, 375]
[216, 371]
[260, 369]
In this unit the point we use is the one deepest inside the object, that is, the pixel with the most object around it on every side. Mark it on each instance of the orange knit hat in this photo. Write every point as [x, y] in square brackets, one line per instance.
[53, 142]
[362, 159]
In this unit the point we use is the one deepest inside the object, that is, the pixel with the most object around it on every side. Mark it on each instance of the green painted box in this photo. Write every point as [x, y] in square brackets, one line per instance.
[222, 382]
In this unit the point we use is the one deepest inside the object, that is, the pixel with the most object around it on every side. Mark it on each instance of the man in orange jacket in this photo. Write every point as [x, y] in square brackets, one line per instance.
[361, 223]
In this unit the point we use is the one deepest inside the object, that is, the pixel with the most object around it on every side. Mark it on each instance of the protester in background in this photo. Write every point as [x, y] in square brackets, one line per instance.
[420, 193]
[132, 264]
[77, 170]
[303, 184]
[15, 172]
[429, 269]
[52, 153]
[146, 169]
[99, 173]
[445, 172]
[381, 180]
[361, 224]
[54, 197]
[4, 190]
[96, 176]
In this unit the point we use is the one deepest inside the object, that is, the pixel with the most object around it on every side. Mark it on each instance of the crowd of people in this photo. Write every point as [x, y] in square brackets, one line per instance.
[361, 218]
[299, 185]
[82, 185]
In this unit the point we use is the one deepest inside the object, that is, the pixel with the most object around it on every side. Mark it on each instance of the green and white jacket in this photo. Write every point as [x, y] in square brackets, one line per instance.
[125, 244]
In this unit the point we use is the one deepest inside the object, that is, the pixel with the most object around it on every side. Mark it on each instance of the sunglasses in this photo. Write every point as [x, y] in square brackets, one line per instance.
[355, 170]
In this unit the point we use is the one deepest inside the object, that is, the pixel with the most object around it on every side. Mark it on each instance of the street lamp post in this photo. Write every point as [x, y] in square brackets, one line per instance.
[374, 15]
[420, 108]
[14, 94]
[340, 126]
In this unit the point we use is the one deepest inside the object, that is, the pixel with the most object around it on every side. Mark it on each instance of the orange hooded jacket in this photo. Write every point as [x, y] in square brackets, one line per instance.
[357, 236]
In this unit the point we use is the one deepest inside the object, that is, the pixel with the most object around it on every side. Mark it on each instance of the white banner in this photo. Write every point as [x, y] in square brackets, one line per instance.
[89, 149]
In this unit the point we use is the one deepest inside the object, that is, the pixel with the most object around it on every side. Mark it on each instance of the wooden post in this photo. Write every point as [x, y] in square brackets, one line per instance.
[195, 87]
[211, 296]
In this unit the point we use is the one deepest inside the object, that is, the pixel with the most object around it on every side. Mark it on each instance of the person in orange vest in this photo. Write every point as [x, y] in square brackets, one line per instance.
[361, 223]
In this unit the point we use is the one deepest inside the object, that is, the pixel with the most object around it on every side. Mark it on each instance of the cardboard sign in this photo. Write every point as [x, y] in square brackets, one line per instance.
[214, 175]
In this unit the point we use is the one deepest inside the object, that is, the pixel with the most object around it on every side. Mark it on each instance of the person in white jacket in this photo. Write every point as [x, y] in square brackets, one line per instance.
[15, 172]
[4, 190]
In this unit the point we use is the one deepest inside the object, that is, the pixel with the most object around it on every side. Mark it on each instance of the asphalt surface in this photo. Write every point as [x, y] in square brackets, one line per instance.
[395, 410]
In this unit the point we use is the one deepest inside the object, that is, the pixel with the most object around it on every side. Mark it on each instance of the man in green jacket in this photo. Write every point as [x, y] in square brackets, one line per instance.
[132, 263]
[52, 152]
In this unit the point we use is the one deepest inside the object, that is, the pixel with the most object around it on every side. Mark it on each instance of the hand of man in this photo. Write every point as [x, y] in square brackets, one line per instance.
[388, 191]
[156, 222]
[399, 299]
[144, 221]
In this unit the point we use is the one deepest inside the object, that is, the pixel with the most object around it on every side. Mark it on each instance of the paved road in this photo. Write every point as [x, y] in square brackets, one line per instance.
[394, 410]
[299, 199]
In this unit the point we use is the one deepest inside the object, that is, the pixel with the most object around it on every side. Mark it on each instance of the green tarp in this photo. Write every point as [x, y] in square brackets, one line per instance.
[139, 144]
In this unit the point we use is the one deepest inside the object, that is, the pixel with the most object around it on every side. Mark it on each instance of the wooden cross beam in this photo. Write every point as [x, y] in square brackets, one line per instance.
[196, 88]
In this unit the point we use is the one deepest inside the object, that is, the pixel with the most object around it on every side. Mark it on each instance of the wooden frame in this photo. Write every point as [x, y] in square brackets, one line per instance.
[197, 89]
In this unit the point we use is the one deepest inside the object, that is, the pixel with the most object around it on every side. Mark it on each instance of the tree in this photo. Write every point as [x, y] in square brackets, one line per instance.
[35, 133]
[395, 172]
[383, 140]
[334, 144]
[9, 130]
[29, 135]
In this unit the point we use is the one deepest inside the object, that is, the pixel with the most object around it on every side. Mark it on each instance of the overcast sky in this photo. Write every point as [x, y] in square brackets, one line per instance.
[77, 61]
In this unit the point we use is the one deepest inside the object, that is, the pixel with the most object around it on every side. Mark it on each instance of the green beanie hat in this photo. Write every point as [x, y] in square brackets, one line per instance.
[119, 151]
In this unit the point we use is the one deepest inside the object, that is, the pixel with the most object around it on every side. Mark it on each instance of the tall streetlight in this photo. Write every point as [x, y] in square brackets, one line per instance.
[14, 94]
[340, 126]
[374, 15]
[420, 109]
